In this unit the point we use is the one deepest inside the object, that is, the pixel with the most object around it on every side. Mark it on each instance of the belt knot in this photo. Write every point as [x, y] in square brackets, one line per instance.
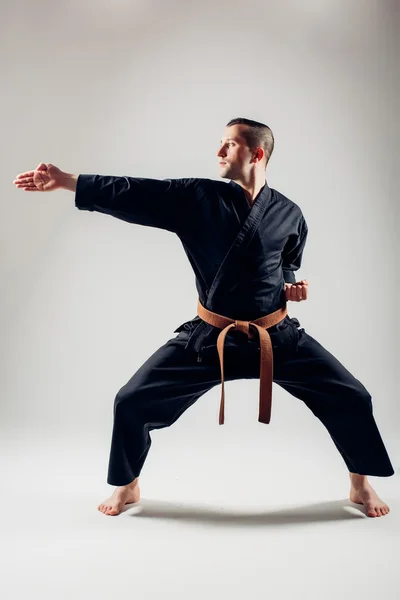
[260, 327]
[243, 326]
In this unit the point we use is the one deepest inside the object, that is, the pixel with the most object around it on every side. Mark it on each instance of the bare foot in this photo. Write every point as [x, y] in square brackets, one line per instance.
[366, 495]
[125, 494]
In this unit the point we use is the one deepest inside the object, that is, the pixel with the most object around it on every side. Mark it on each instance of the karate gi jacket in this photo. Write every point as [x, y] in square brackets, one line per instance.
[241, 255]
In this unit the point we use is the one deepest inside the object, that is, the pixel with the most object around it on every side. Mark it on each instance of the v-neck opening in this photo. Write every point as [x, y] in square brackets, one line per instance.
[264, 190]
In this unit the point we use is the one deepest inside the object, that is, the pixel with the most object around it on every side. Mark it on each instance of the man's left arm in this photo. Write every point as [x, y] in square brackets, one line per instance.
[292, 257]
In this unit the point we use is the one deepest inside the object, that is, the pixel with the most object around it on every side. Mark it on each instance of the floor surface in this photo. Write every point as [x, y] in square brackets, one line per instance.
[205, 528]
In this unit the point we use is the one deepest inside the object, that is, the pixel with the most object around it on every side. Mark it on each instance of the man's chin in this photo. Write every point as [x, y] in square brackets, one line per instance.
[225, 173]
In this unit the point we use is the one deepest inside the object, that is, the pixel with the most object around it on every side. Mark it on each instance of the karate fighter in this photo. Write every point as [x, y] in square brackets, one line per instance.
[244, 241]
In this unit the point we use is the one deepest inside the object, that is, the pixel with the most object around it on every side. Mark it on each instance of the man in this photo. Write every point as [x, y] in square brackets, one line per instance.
[244, 241]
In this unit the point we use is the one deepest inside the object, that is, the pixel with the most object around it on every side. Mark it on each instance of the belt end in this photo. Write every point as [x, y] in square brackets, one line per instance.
[265, 421]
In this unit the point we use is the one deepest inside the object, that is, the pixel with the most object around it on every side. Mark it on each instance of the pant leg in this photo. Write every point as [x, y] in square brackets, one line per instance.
[166, 385]
[304, 368]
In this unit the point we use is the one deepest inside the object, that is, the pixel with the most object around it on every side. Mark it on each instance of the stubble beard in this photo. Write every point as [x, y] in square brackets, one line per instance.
[226, 172]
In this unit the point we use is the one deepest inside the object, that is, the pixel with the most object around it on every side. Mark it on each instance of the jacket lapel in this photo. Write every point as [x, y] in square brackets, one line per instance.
[246, 233]
[251, 217]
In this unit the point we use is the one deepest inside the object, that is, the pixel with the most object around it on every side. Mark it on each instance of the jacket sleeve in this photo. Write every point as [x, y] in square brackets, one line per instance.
[162, 203]
[293, 252]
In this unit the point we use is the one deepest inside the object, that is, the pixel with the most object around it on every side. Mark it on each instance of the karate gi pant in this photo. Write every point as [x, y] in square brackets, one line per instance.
[173, 378]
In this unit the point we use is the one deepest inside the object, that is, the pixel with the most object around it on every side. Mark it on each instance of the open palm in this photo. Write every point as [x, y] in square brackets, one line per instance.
[45, 178]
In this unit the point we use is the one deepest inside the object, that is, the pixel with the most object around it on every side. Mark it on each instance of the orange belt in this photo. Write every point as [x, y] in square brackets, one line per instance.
[266, 359]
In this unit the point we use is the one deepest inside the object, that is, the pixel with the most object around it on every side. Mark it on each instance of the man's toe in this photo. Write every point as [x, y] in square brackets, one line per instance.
[113, 511]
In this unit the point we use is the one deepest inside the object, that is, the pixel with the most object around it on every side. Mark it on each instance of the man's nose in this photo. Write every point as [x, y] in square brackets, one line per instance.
[221, 152]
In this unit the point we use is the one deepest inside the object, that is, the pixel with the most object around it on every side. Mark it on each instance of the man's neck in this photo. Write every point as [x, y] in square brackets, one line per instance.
[252, 187]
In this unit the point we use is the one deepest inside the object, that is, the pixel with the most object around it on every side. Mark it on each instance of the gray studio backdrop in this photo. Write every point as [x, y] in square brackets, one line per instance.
[145, 89]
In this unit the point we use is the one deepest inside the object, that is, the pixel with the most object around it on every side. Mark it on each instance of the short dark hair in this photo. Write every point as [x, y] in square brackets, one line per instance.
[257, 135]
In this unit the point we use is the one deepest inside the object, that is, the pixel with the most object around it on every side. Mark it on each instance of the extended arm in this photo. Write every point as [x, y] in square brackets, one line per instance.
[166, 204]
[46, 178]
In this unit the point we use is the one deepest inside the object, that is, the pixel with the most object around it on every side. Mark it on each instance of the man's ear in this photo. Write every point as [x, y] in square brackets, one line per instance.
[260, 154]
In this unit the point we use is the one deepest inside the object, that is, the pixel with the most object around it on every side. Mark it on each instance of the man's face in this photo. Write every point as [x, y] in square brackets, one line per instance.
[234, 154]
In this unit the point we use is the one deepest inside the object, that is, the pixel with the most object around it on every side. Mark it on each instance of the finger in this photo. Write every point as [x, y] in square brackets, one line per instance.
[25, 185]
[298, 292]
[24, 180]
[26, 174]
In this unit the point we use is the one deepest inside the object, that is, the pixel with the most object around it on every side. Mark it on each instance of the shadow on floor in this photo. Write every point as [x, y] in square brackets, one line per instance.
[336, 510]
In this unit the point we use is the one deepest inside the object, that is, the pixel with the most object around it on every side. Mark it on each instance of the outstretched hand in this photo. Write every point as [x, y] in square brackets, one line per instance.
[296, 291]
[45, 178]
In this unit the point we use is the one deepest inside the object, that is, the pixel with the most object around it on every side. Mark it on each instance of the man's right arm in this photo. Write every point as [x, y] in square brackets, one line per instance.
[46, 178]
[164, 203]
[69, 183]
[169, 204]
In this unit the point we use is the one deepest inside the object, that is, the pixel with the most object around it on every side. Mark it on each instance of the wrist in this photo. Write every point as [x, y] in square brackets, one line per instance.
[69, 181]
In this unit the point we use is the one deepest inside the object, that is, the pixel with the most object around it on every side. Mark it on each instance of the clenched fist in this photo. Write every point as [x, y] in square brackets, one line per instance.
[296, 291]
[45, 178]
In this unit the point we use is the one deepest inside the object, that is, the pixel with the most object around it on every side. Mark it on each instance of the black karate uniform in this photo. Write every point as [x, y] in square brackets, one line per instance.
[241, 256]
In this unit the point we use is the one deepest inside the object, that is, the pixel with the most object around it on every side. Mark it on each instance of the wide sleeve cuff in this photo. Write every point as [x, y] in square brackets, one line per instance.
[289, 276]
[84, 192]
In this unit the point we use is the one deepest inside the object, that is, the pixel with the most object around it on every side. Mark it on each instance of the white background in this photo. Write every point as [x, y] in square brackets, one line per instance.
[145, 89]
